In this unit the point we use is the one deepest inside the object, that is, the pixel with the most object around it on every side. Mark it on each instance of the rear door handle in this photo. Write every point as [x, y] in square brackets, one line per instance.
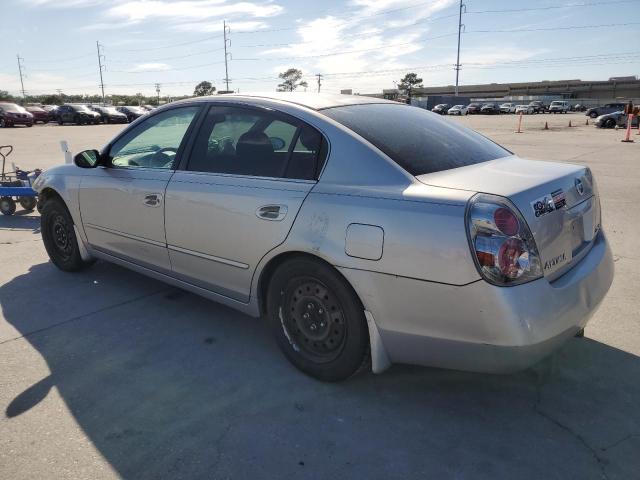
[153, 199]
[272, 212]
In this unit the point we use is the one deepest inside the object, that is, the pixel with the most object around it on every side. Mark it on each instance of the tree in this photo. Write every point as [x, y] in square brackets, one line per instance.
[290, 80]
[204, 88]
[409, 82]
[4, 95]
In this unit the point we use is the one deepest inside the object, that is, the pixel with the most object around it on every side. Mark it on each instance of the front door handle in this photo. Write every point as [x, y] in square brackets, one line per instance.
[153, 199]
[272, 212]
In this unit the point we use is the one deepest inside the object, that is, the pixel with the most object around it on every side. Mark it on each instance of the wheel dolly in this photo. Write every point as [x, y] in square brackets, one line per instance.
[16, 184]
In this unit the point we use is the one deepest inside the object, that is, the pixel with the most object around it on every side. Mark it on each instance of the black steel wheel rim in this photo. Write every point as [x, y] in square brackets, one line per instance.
[313, 320]
[61, 236]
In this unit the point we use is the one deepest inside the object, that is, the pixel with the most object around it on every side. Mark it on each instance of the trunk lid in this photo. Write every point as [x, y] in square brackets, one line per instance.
[559, 202]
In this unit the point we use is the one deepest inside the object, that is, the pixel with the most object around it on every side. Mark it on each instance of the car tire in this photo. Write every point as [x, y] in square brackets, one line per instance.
[593, 115]
[60, 122]
[59, 236]
[609, 123]
[29, 125]
[318, 320]
[3, 123]
[27, 203]
[7, 206]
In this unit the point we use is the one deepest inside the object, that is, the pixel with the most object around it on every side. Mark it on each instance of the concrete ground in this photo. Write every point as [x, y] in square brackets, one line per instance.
[107, 374]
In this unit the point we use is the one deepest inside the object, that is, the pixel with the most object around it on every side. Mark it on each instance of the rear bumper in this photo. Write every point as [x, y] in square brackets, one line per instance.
[481, 327]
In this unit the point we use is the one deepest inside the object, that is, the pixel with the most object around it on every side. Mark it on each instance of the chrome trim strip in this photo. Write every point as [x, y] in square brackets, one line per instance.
[126, 235]
[225, 261]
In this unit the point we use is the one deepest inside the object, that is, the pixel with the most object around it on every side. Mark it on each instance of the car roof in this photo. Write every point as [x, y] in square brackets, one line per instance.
[314, 101]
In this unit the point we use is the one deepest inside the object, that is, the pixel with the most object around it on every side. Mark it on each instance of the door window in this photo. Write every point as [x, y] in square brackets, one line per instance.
[242, 141]
[154, 143]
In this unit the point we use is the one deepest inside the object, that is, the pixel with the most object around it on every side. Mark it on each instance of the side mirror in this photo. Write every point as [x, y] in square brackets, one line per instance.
[87, 159]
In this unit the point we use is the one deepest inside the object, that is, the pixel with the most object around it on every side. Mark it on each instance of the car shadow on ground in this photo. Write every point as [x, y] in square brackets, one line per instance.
[169, 385]
[20, 220]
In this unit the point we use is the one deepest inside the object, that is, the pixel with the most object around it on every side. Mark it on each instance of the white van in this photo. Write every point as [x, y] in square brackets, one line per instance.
[559, 106]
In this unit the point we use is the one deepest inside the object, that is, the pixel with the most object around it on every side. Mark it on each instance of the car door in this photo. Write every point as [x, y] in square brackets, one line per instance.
[247, 175]
[122, 203]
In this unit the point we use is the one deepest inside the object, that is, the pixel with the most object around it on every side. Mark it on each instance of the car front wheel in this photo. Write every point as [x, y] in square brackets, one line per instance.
[59, 236]
[593, 115]
[317, 319]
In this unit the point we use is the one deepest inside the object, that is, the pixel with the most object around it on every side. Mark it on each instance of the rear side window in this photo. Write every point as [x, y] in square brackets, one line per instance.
[243, 141]
[419, 141]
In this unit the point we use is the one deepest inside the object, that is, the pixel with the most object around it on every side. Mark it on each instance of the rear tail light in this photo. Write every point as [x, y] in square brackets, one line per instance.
[501, 242]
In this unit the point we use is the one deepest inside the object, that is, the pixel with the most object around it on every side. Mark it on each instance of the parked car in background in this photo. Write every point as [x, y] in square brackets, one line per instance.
[615, 119]
[51, 110]
[39, 114]
[457, 110]
[559, 106]
[476, 268]
[149, 108]
[508, 108]
[442, 108]
[474, 108]
[490, 109]
[595, 112]
[538, 107]
[12, 114]
[525, 109]
[78, 114]
[132, 112]
[110, 114]
[579, 108]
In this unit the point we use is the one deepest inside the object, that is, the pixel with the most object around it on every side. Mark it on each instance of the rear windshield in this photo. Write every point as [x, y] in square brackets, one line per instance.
[419, 141]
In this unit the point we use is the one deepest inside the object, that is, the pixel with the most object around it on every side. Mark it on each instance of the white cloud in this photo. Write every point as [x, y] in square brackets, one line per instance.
[207, 27]
[190, 9]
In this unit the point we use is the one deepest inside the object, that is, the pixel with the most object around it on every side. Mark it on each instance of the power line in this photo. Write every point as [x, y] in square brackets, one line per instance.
[550, 7]
[163, 47]
[551, 29]
[346, 52]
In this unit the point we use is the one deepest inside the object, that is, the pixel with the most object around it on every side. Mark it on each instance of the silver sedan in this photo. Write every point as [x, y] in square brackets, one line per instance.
[365, 232]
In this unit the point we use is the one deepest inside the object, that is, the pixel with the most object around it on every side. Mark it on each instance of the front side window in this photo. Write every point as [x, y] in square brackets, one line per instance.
[417, 140]
[242, 141]
[153, 143]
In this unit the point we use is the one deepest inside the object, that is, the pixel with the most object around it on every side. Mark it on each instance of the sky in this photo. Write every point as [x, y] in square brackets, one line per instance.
[363, 45]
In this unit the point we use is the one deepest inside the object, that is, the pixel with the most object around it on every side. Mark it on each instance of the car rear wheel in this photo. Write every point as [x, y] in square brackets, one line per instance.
[3, 123]
[59, 236]
[609, 123]
[318, 320]
[593, 115]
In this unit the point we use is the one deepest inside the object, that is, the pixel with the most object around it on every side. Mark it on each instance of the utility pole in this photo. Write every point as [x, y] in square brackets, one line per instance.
[158, 92]
[460, 26]
[100, 67]
[319, 75]
[225, 31]
[20, 67]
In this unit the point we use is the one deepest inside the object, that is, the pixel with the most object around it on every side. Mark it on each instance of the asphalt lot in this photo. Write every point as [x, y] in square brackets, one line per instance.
[108, 374]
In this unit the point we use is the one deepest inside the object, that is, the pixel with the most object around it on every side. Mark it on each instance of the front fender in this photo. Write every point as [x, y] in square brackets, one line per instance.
[64, 181]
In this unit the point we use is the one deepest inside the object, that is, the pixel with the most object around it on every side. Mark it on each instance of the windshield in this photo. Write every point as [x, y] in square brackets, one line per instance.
[12, 107]
[556, 103]
[80, 108]
[419, 141]
[458, 106]
[136, 109]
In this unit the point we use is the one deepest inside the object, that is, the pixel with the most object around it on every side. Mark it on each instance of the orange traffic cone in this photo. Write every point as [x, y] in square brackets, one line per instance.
[570, 124]
[546, 126]
[587, 122]
[627, 138]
